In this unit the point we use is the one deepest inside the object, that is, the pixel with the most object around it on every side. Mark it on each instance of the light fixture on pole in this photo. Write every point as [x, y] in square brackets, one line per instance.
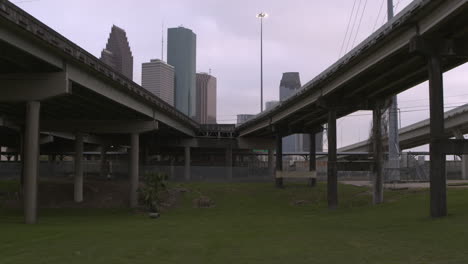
[261, 16]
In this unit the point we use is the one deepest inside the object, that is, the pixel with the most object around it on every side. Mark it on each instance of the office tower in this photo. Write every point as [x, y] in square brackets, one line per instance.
[181, 53]
[158, 77]
[290, 84]
[271, 104]
[117, 53]
[206, 99]
[243, 118]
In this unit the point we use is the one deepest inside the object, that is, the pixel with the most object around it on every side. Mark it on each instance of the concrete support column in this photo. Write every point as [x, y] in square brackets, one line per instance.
[31, 160]
[229, 162]
[187, 164]
[312, 160]
[271, 162]
[464, 158]
[279, 161]
[78, 168]
[377, 183]
[437, 164]
[332, 170]
[134, 169]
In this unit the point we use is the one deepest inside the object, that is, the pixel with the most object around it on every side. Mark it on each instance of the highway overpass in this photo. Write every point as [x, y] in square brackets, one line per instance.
[49, 84]
[426, 39]
[418, 134]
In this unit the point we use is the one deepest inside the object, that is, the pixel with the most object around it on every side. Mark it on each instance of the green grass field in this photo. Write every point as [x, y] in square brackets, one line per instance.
[251, 223]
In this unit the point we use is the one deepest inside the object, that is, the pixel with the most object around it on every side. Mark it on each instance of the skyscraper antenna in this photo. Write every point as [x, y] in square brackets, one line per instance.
[162, 41]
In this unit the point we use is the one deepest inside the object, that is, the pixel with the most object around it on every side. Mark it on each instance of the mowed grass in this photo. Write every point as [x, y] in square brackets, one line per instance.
[251, 223]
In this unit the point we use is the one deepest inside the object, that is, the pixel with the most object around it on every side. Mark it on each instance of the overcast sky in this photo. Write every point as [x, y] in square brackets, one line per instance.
[299, 35]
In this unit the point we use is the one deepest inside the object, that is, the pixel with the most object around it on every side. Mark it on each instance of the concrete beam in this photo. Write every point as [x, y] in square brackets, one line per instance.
[453, 146]
[120, 96]
[100, 126]
[31, 160]
[30, 47]
[255, 143]
[46, 139]
[33, 86]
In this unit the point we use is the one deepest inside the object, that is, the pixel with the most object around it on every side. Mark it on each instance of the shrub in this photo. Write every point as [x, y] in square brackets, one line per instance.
[151, 191]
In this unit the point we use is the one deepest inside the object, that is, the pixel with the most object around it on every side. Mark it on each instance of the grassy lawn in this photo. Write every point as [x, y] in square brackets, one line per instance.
[251, 223]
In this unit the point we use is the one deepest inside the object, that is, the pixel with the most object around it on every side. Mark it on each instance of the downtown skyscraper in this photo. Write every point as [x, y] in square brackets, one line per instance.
[206, 99]
[158, 77]
[182, 54]
[291, 84]
[117, 53]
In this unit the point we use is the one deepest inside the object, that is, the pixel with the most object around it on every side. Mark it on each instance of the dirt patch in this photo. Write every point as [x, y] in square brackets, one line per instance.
[171, 197]
[203, 202]
[96, 194]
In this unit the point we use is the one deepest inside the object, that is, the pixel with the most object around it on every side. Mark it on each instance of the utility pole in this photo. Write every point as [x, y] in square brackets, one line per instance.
[393, 136]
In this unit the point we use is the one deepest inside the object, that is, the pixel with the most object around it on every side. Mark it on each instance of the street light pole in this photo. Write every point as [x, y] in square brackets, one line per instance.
[261, 16]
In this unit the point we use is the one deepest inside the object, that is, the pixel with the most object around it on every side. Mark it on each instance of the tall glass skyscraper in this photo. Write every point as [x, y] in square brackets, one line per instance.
[182, 54]
[117, 53]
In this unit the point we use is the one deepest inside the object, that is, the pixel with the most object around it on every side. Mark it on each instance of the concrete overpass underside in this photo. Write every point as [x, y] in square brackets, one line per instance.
[422, 42]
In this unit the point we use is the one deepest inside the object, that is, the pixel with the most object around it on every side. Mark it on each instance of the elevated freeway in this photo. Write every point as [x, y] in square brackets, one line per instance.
[55, 97]
[418, 134]
[426, 39]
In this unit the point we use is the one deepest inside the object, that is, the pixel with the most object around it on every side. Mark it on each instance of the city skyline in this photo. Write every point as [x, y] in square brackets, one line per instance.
[228, 43]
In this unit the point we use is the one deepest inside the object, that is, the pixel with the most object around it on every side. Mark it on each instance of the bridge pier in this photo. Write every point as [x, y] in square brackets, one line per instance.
[187, 175]
[377, 183]
[437, 163]
[464, 158]
[134, 169]
[312, 160]
[279, 161]
[31, 160]
[78, 187]
[332, 170]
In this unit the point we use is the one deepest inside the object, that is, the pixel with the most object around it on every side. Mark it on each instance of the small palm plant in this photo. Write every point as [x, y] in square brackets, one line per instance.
[150, 192]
